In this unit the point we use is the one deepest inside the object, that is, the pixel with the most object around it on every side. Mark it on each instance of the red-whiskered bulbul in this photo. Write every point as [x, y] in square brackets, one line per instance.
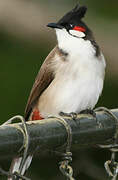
[71, 77]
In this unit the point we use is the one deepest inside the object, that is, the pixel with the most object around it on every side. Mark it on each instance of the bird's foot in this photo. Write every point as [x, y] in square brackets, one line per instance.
[89, 111]
[93, 113]
[73, 115]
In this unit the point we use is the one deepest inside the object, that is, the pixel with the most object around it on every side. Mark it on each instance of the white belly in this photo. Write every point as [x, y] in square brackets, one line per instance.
[75, 88]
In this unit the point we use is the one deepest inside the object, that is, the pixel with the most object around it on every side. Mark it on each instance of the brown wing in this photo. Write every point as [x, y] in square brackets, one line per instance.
[42, 81]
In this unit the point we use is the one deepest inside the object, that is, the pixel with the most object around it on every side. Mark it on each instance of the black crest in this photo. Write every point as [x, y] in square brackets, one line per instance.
[79, 11]
[74, 15]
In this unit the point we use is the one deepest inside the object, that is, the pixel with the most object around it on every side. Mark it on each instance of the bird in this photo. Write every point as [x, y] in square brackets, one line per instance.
[71, 78]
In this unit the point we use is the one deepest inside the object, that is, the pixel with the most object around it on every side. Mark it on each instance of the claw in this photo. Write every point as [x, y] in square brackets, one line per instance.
[63, 114]
[73, 115]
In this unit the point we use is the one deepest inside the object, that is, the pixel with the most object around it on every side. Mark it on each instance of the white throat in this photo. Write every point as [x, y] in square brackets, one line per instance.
[74, 45]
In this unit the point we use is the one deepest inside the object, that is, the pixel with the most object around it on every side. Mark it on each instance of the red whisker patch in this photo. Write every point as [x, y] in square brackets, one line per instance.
[79, 28]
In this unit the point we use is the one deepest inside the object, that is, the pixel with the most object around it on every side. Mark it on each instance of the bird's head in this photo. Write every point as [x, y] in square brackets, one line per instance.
[71, 23]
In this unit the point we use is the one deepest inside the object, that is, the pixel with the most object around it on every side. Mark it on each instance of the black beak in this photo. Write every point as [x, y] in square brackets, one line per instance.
[55, 25]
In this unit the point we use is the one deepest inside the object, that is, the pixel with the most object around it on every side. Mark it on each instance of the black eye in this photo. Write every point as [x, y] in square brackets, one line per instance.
[72, 26]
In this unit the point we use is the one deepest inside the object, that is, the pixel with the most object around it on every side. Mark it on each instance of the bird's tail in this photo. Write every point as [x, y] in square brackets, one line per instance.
[15, 165]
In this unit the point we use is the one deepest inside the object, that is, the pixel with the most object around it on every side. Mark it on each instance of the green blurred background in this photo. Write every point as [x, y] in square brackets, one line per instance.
[25, 41]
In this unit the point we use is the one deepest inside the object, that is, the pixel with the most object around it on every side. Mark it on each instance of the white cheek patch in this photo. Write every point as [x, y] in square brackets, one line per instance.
[77, 33]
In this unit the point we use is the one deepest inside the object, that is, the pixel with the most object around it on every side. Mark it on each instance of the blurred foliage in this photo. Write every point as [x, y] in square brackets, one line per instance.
[104, 8]
[19, 63]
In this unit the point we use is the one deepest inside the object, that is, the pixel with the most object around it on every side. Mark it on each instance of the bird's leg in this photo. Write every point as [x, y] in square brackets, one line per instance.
[73, 115]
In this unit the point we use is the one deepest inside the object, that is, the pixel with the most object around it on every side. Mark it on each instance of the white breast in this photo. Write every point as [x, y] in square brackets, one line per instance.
[78, 81]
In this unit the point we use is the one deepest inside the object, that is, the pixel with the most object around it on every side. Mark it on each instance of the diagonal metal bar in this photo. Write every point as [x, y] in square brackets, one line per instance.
[50, 133]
